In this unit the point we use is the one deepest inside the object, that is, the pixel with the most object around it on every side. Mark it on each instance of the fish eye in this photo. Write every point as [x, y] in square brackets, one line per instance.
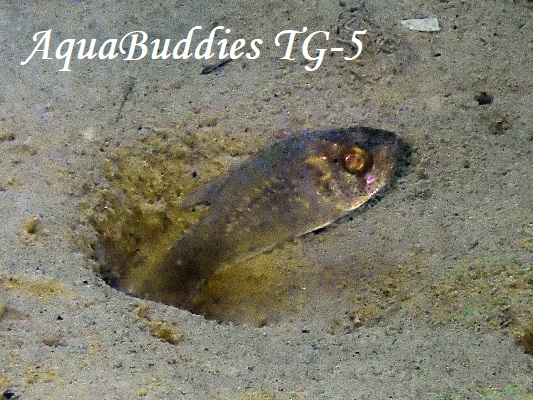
[335, 160]
[357, 161]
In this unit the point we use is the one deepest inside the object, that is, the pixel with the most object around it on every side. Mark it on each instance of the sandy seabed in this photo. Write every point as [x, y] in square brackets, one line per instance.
[440, 267]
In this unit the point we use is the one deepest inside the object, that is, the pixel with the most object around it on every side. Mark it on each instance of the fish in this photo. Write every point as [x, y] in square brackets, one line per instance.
[292, 187]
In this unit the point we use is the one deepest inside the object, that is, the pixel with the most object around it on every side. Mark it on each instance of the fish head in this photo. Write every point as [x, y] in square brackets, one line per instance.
[349, 166]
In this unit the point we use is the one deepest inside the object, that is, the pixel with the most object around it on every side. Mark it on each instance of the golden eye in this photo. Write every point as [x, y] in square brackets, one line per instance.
[357, 160]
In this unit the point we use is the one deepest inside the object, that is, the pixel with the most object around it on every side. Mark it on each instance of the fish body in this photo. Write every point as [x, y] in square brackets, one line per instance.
[285, 190]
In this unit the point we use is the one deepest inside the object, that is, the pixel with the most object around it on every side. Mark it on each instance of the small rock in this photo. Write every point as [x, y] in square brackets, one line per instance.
[483, 98]
[422, 24]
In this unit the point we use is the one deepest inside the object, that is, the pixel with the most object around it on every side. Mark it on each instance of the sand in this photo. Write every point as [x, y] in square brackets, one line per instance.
[442, 261]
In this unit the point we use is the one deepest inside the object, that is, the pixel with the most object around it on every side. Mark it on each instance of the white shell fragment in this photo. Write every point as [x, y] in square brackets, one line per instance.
[422, 24]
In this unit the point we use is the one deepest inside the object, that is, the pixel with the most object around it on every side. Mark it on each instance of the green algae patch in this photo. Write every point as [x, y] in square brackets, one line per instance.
[32, 230]
[44, 374]
[526, 240]
[166, 331]
[524, 335]
[267, 394]
[514, 391]
[44, 289]
[491, 293]
[4, 381]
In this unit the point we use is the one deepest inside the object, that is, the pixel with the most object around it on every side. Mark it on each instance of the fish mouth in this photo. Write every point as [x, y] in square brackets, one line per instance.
[393, 154]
